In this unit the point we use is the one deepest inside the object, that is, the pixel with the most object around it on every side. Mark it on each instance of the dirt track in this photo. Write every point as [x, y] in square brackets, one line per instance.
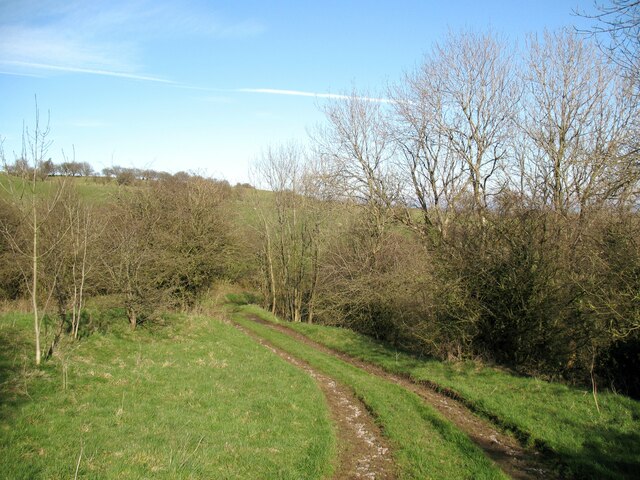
[362, 449]
[516, 461]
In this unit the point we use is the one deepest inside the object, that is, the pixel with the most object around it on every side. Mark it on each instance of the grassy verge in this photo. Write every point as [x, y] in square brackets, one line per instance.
[553, 416]
[425, 444]
[196, 399]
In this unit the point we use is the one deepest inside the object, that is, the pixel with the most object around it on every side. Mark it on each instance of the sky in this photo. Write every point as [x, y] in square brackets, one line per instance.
[207, 86]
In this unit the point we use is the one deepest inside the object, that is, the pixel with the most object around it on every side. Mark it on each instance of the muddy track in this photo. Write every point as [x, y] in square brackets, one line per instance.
[363, 452]
[515, 460]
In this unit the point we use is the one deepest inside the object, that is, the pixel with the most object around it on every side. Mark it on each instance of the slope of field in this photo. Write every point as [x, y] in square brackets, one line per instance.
[555, 417]
[196, 399]
[95, 190]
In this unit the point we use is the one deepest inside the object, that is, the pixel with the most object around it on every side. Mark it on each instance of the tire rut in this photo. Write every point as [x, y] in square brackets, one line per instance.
[363, 452]
[513, 459]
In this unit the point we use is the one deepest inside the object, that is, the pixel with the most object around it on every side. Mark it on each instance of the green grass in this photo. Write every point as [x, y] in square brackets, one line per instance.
[195, 399]
[95, 190]
[551, 415]
[425, 445]
[92, 189]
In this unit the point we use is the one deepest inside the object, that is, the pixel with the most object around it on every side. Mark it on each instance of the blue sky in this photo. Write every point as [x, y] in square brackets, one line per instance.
[206, 86]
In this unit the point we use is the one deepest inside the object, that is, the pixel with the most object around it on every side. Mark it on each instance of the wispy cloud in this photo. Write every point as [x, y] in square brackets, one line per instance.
[106, 38]
[19, 74]
[90, 71]
[58, 44]
[299, 93]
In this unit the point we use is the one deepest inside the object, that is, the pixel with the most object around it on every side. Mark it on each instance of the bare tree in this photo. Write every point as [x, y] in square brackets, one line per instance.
[290, 232]
[479, 95]
[76, 256]
[356, 151]
[435, 174]
[578, 115]
[617, 33]
[36, 209]
[263, 210]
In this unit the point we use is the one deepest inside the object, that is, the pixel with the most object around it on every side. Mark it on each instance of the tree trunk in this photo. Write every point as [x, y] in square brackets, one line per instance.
[34, 280]
[83, 275]
[131, 314]
[272, 277]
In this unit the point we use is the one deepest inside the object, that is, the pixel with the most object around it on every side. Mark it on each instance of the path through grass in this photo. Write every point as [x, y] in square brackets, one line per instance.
[426, 446]
[551, 415]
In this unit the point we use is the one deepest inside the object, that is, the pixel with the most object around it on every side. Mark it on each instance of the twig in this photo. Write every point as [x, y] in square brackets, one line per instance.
[594, 389]
[75, 477]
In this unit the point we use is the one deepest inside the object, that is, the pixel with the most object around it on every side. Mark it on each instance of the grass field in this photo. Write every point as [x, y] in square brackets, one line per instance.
[425, 444]
[196, 399]
[553, 416]
[92, 189]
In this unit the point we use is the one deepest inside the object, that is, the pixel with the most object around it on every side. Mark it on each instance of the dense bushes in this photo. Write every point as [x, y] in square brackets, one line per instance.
[539, 293]
[167, 243]
[11, 282]
[156, 246]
